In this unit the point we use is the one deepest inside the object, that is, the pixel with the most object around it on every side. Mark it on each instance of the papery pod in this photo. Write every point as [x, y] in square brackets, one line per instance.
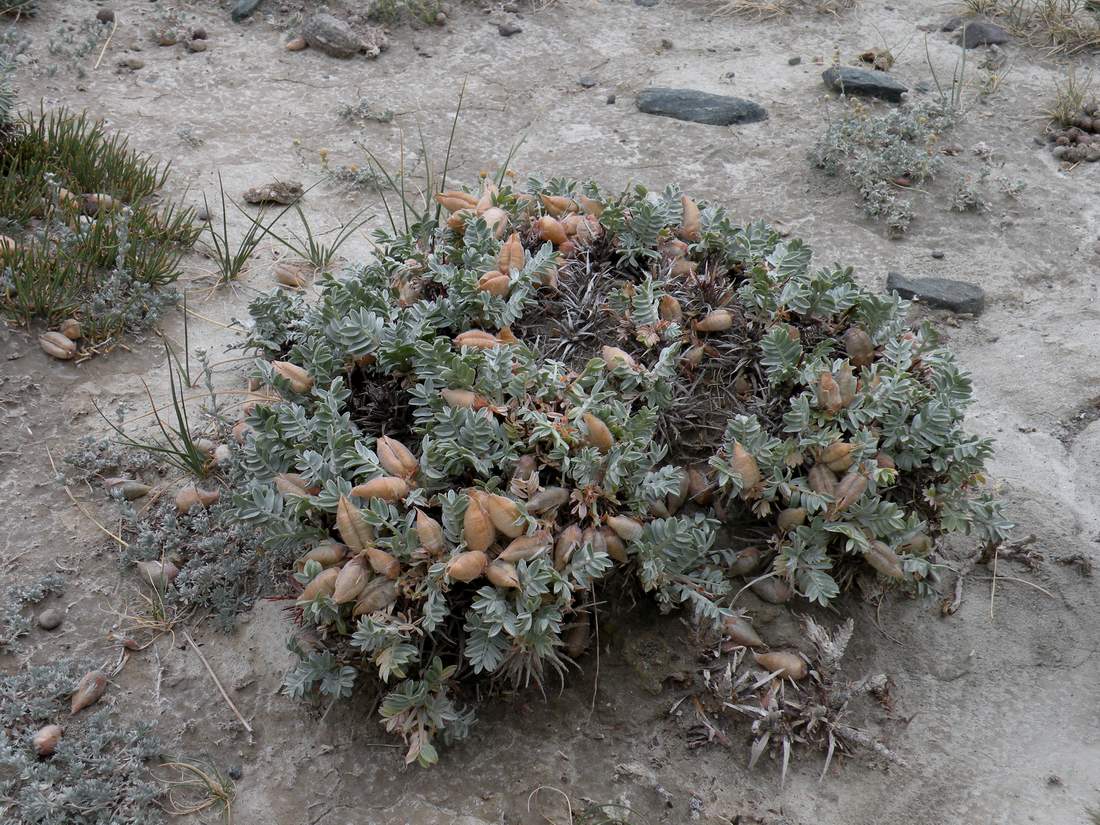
[495, 284]
[291, 484]
[497, 221]
[745, 466]
[70, 328]
[326, 554]
[847, 383]
[699, 487]
[158, 574]
[383, 563]
[690, 225]
[456, 221]
[828, 393]
[741, 632]
[46, 739]
[613, 545]
[454, 200]
[916, 544]
[57, 346]
[547, 499]
[838, 456]
[577, 635]
[550, 229]
[505, 514]
[386, 488]
[299, 380]
[477, 339]
[626, 528]
[614, 357]
[789, 665]
[465, 567]
[88, 691]
[859, 346]
[572, 224]
[525, 467]
[429, 532]
[241, 431]
[353, 577]
[464, 399]
[595, 538]
[395, 458]
[511, 255]
[352, 525]
[502, 574]
[569, 539]
[599, 435]
[848, 491]
[884, 560]
[590, 206]
[773, 590]
[292, 275]
[822, 480]
[557, 205]
[746, 561]
[128, 488]
[669, 309]
[525, 548]
[377, 595]
[885, 461]
[95, 202]
[323, 584]
[791, 518]
[674, 501]
[477, 527]
[693, 356]
[683, 267]
[190, 498]
[67, 198]
[657, 509]
[716, 320]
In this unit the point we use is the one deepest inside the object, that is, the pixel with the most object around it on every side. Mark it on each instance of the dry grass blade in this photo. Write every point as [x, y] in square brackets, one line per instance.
[213, 676]
[156, 619]
[197, 788]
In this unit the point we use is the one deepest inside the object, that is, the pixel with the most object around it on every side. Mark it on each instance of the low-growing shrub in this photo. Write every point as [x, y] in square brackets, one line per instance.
[534, 390]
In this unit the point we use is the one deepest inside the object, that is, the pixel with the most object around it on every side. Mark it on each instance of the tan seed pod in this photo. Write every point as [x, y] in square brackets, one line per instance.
[742, 385]
[595, 538]
[429, 532]
[70, 328]
[828, 393]
[822, 479]
[547, 499]
[746, 561]
[614, 545]
[590, 206]
[626, 528]
[569, 539]
[455, 200]
[505, 514]
[511, 255]
[326, 554]
[57, 346]
[488, 192]
[849, 490]
[690, 225]
[323, 584]
[222, 455]
[699, 487]
[128, 488]
[352, 525]
[884, 560]
[190, 498]
[599, 436]
[464, 399]
[693, 356]
[716, 320]
[477, 339]
[353, 577]
[572, 224]
[790, 518]
[395, 458]
[682, 267]
[745, 466]
[45, 741]
[577, 636]
[525, 548]
[859, 346]
[383, 563]
[387, 488]
[465, 567]
[477, 527]
[674, 501]
[658, 509]
[885, 461]
[68, 199]
[550, 229]
[557, 205]
[789, 665]
[525, 467]
[291, 274]
[291, 484]
[377, 595]
[497, 221]
[456, 221]
[614, 357]
[503, 574]
[741, 632]
[495, 284]
[88, 691]
[158, 574]
[241, 431]
[94, 203]
[668, 309]
[299, 380]
[838, 456]
[773, 590]
[847, 383]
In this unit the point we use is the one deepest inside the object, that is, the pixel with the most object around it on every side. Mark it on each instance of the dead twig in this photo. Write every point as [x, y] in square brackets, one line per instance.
[213, 676]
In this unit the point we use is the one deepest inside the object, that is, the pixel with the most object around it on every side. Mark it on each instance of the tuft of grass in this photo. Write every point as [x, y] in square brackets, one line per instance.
[310, 247]
[231, 260]
[770, 9]
[194, 787]
[1062, 26]
[1070, 96]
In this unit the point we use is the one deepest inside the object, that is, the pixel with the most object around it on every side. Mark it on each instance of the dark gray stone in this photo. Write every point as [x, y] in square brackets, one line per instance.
[331, 35]
[699, 107]
[105, 16]
[979, 33]
[951, 24]
[853, 81]
[610, 99]
[508, 28]
[587, 81]
[942, 293]
[794, 61]
[50, 618]
[937, 254]
[646, 3]
[243, 9]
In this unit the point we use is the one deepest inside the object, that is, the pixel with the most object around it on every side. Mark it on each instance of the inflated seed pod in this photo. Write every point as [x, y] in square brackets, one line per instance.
[326, 554]
[383, 563]
[463, 399]
[693, 356]
[89, 690]
[822, 479]
[511, 255]
[455, 200]
[789, 665]
[190, 498]
[791, 518]
[429, 532]
[828, 393]
[502, 574]
[858, 345]
[616, 548]
[505, 514]
[626, 528]
[352, 525]
[550, 229]
[595, 538]
[497, 221]
[658, 509]
[477, 527]
[557, 205]
[386, 488]
[292, 275]
[569, 539]
[699, 487]
[70, 328]
[547, 499]
[741, 631]
[495, 284]
[614, 357]
[837, 456]
[476, 339]
[377, 595]
[395, 458]
[885, 461]
[525, 548]
[299, 380]
[717, 320]
[848, 490]
[291, 484]
[669, 309]
[590, 206]
[456, 221]
[525, 467]
[916, 544]
[689, 225]
[745, 466]
[846, 381]
[46, 739]
[323, 584]
[241, 431]
[884, 560]
[599, 435]
[488, 192]
[465, 567]
[57, 346]
[773, 590]
[353, 577]
[158, 574]
[674, 501]
[746, 561]
[577, 636]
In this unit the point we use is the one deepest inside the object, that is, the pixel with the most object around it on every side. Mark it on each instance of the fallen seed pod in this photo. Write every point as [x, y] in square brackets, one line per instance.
[614, 357]
[353, 577]
[323, 584]
[465, 567]
[848, 491]
[626, 528]
[590, 206]
[67, 198]
[828, 393]
[291, 275]
[456, 221]
[884, 560]
[222, 455]
[495, 283]
[395, 458]
[599, 436]
[94, 203]
[455, 200]
[614, 545]
[502, 574]
[690, 225]
[70, 328]
[657, 509]
[477, 339]
[88, 691]
[45, 741]
[669, 309]
[505, 514]
[386, 488]
[525, 468]
[377, 595]
[694, 355]
[430, 533]
[547, 499]
[859, 346]
[569, 539]
[683, 267]
[838, 456]
[291, 484]
[557, 205]
[511, 255]
[773, 590]
[572, 224]
[822, 479]
[299, 380]
[716, 320]
[674, 501]
[790, 518]
[326, 554]
[158, 574]
[577, 636]
[746, 467]
[241, 431]
[789, 665]
[525, 548]
[847, 383]
[464, 399]
[497, 221]
[190, 498]
[383, 563]
[699, 487]
[128, 488]
[352, 525]
[57, 345]
[741, 631]
[885, 461]
[746, 561]
[550, 229]
[477, 527]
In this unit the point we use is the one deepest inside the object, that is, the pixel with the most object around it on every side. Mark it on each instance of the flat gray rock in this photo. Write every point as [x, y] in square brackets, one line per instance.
[331, 35]
[853, 81]
[699, 107]
[942, 293]
[979, 33]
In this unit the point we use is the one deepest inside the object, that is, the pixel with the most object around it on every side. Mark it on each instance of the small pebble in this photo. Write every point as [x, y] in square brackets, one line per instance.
[202, 213]
[794, 61]
[937, 253]
[50, 618]
[296, 44]
[587, 81]
[508, 29]
[134, 63]
[610, 99]
[646, 3]
[198, 33]
[196, 45]
[105, 16]
[235, 773]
